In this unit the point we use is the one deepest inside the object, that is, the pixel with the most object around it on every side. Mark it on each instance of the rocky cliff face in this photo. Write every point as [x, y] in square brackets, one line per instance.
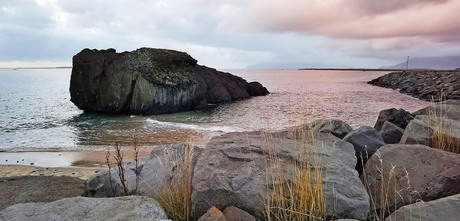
[151, 81]
[423, 84]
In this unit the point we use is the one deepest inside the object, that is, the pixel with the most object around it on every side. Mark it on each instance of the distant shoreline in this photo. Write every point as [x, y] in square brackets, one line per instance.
[371, 69]
[19, 68]
[302, 69]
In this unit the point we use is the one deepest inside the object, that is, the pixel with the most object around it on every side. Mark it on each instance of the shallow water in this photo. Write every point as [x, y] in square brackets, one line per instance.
[36, 112]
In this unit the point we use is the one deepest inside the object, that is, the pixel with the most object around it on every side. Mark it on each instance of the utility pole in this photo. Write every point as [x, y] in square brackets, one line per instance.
[407, 63]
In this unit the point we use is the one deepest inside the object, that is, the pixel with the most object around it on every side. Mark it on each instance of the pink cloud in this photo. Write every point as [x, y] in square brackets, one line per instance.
[355, 19]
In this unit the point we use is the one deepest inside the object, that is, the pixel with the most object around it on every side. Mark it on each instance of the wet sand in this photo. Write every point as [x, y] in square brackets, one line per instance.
[81, 164]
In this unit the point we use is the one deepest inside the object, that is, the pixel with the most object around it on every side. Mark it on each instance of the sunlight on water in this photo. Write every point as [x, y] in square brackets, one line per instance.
[36, 112]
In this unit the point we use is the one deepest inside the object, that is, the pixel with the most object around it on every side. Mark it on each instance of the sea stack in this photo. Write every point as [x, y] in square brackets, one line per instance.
[151, 81]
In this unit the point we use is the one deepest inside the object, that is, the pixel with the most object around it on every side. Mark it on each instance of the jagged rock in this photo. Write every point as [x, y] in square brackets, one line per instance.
[417, 173]
[337, 128]
[398, 117]
[232, 213]
[133, 208]
[391, 133]
[154, 172]
[445, 209]
[366, 140]
[150, 81]
[213, 214]
[231, 171]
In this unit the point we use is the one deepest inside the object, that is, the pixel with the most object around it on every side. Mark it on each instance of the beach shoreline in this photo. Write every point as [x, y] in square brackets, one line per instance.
[79, 164]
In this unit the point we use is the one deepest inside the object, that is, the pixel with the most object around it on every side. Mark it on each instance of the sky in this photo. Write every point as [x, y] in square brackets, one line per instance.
[229, 34]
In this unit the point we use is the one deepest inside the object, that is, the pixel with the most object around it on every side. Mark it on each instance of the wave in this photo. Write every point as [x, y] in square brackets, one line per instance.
[225, 129]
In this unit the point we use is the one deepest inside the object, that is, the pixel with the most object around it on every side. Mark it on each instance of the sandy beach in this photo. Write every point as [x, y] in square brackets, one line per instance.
[79, 164]
[53, 175]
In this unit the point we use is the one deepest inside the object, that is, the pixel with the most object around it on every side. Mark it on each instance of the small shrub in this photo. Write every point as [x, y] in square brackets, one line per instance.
[119, 163]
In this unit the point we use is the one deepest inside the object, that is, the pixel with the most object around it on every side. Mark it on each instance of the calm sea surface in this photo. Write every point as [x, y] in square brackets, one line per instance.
[36, 112]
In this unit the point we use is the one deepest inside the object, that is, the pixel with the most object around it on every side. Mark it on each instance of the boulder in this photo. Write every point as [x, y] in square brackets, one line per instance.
[232, 171]
[154, 172]
[150, 81]
[213, 214]
[418, 131]
[410, 173]
[337, 128]
[82, 208]
[445, 209]
[449, 109]
[391, 133]
[232, 213]
[398, 117]
[366, 140]
[25, 189]
[441, 133]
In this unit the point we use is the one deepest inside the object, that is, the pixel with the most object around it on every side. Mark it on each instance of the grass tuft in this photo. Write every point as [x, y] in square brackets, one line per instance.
[296, 197]
[443, 135]
[175, 198]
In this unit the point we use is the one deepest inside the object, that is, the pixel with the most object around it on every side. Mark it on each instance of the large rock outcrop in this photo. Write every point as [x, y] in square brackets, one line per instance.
[82, 208]
[151, 81]
[232, 170]
[425, 85]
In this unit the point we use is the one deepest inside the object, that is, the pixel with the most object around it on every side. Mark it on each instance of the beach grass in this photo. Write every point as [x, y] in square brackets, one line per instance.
[175, 198]
[296, 197]
[443, 135]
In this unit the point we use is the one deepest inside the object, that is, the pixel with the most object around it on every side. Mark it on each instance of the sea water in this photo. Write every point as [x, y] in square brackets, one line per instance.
[36, 112]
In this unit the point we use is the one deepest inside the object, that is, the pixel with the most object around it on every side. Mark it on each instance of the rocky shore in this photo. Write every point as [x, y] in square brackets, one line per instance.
[425, 85]
[404, 166]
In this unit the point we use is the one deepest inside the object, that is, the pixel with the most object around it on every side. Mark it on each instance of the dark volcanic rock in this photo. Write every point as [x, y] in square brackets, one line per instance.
[398, 117]
[425, 85]
[151, 81]
[366, 141]
[391, 133]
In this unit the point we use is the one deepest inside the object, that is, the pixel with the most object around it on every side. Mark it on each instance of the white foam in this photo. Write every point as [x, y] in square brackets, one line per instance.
[224, 129]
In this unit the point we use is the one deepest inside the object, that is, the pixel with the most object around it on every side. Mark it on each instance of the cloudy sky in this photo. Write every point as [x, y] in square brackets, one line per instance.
[233, 33]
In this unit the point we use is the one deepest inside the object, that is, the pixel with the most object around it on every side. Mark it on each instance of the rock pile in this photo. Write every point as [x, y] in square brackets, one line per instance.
[425, 85]
[232, 174]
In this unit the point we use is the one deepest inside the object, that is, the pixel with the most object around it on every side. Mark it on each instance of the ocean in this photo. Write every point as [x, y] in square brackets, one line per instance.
[36, 113]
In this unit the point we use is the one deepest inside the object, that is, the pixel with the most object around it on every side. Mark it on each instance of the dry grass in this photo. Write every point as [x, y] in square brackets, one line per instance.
[443, 136]
[300, 196]
[175, 198]
[384, 194]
